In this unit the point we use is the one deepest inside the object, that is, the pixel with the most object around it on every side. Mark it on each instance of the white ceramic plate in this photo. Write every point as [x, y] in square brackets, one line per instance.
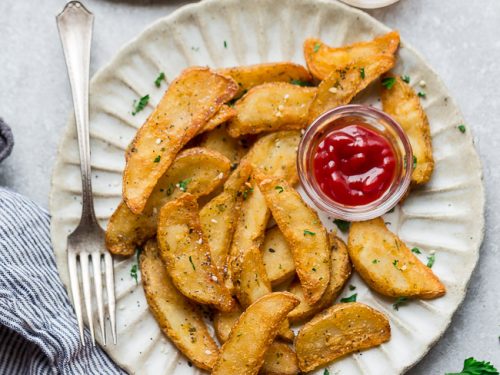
[446, 216]
[369, 4]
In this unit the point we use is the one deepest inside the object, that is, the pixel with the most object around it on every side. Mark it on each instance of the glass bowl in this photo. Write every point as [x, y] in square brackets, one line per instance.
[384, 125]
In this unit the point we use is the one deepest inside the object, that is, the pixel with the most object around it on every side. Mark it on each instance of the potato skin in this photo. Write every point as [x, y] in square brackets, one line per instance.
[387, 265]
[342, 329]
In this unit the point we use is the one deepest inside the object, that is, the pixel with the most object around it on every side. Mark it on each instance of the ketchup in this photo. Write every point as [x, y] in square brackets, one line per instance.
[354, 165]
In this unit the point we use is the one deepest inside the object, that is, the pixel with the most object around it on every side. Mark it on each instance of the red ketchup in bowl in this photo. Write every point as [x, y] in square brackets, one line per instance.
[354, 165]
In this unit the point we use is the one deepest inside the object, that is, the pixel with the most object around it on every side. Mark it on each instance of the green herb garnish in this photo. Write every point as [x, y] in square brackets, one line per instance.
[161, 77]
[279, 188]
[388, 82]
[375, 261]
[133, 272]
[308, 232]
[317, 46]
[422, 94]
[246, 193]
[461, 127]
[157, 159]
[140, 105]
[352, 287]
[416, 250]
[342, 224]
[349, 299]
[183, 184]
[414, 162]
[405, 78]
[362, 72]
[298, 82]
[430, 260]
[225, 44]
[326, 372]
[399, 302]
[192, 264]
[475, 367]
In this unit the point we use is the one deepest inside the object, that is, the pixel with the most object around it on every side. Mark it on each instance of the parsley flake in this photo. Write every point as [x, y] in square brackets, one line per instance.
[430, 260]
[422, 94]
[317, 46]
[416, 250]
[405, 78]
[362, 73]
[326, 372]
[342, 225]
[400, 301]
[375, 261]
[350, 298]
[225, 44]
[395, 263]
[414, 162]
[298, 82]
[183, 184]
[192, 264]
[475, 367]
[279, 188]
[140, 105]
[308, 232]
[461, 127]
[246, 193]
[157, 159]
[388, 82]
[161, 77]
[352, 287]
[133, 272]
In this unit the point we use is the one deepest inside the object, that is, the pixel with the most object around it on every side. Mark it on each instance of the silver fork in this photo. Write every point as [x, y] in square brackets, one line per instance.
[86, 243]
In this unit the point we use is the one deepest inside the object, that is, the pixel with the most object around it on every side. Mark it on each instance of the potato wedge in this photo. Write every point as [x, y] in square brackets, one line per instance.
[220, 141]
[271, 107]
[340, 86]
[322, 59]
[279, 359]
[218, 217]
[254, 75]
[189, 102]
[277, 257]
[387, 265]
[243, 353]
[178, 318]
[186, 254]
[224, 114]
[340, 270]
[403, 104]
[198, 171]
[339, 330]
[303, 231]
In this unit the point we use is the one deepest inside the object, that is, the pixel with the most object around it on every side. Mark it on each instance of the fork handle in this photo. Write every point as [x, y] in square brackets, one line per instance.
[75, 30]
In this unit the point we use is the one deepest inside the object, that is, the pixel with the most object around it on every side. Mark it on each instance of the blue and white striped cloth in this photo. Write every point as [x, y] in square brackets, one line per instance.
[38, 328]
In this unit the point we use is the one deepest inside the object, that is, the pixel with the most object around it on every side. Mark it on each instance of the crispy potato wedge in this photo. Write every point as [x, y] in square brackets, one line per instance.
[340, 86]
[198, 171]
[224, 114]
[243, 353]
[279, 359]
[322, 59]
[271, 107]
[218, 217]
[186, 253]
[303, 231]
[254, 75]
[189, 102]
[403, 104]
[387, 265]
[178, 318]
[277, 257]
[340, 270]
[339, 330]
[220, 141]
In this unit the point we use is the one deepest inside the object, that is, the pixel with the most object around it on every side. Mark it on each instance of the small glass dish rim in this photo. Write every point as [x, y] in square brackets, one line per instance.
[354, 213]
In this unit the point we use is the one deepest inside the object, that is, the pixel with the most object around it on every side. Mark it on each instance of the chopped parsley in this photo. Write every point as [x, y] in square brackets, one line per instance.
[422, 94]
[246, 193]
[461, 127]
[140, 105]
[225, 44]
[279, 188]
[133, 272]
[430, 260]
[192, 264]
[475, 367]
[416, 250]
[342, 224]
[271, 250]
[400, 301]
[388, 82]
[298, 82]
[395, 263]
[362, 73]
[326, 372]
[157, 159]
[375, 261]
[352, 287]
[350, 298]
[183, 184]
[317, 46]
[308, 232]
[405, 78]
[161, 77]
[414, 162]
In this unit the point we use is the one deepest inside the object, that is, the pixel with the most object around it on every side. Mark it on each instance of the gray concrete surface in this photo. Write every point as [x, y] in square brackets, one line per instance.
[460, 38]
